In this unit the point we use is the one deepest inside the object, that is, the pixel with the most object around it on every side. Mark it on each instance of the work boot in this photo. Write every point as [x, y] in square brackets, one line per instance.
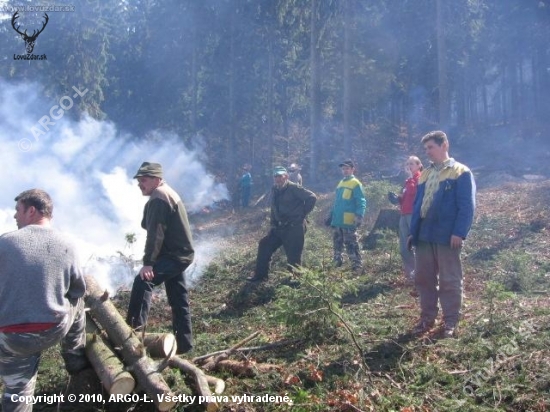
[75, 363]
[449, 331]
[423, 326]
[255, 278]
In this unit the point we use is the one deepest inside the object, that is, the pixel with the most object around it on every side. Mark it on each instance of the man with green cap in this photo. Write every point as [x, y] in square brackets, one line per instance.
[290, 205]
[168, 252]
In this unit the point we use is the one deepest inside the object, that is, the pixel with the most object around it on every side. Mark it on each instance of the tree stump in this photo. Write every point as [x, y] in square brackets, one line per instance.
[388, 219]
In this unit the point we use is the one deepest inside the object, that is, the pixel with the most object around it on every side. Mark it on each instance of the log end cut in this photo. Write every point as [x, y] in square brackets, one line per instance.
[123, 385]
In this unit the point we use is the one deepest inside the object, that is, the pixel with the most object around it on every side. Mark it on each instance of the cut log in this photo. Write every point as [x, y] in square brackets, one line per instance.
[201, 382]
[128, 344]
[160, 345]
[108, 367]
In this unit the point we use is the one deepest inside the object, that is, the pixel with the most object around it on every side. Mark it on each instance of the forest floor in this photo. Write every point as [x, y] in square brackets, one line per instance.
[344, 337]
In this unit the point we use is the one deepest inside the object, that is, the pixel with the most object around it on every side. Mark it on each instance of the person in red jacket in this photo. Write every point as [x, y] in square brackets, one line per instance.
[413, 166]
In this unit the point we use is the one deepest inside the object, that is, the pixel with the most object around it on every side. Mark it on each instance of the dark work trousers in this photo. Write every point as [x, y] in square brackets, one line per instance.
[290, 237]
[170, 273]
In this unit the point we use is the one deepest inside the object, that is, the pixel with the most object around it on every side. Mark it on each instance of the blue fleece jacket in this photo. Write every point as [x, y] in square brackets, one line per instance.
[452, 208]
[349, 202]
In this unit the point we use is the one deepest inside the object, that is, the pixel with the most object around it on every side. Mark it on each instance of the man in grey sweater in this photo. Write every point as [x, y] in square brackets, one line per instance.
[41, 304]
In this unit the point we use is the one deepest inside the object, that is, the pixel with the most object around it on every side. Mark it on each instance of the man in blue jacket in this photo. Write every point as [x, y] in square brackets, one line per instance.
[442, 216]
[346, 216]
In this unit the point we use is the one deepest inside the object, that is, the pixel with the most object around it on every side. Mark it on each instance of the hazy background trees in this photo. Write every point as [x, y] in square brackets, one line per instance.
[309, 81]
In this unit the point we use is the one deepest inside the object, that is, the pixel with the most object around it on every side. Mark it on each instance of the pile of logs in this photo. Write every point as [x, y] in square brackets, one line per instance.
[123, 359]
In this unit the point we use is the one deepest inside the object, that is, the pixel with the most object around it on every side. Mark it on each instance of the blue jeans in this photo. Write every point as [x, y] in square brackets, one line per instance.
[171, 273]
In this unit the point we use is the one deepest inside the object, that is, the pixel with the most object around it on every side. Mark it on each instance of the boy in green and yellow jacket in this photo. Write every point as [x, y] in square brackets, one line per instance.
[346, 216]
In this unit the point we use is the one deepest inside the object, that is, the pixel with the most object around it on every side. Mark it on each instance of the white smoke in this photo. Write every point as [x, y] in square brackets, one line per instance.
[87, 168]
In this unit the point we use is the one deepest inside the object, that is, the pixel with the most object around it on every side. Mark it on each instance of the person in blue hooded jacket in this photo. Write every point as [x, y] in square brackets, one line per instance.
[346, 216]
[443, 212]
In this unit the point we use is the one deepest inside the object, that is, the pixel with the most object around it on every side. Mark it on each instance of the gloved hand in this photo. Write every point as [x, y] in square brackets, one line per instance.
[393, 198]
[328, 220]
[357, 221]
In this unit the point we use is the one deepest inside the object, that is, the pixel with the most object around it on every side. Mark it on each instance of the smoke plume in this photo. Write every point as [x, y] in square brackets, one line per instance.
[87, 166]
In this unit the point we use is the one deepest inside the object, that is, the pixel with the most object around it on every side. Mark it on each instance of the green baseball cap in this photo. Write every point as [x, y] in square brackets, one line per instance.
[149, 169]
[279, 170]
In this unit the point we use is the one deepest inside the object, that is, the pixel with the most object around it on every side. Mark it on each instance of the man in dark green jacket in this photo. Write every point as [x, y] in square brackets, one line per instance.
[168, 252]
[290, 205]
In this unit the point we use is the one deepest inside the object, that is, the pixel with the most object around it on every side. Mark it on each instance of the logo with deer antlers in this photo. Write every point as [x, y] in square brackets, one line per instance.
[29, 40]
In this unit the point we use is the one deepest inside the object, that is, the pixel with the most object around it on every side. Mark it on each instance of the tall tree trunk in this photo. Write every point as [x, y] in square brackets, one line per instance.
[516, 90]
[444, 106]
[270, 92]
[284, 114]
[504, 93]
[486, 120]
[537, 86]
[461, 100]
[542, 74]
[315, 104]
[231, 143]
[347, 81]
[194, 82]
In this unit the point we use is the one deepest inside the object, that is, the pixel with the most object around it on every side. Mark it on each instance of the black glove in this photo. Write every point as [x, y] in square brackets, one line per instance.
[328, 220]
[393, 198]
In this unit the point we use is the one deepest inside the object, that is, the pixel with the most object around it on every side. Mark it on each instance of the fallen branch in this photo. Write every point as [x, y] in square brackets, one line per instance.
[241, 343]
[245, 368]
[211, 362]
[201, 382]
[268, 346]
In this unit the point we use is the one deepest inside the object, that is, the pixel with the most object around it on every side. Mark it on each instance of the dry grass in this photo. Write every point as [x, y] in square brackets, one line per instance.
[500, 361]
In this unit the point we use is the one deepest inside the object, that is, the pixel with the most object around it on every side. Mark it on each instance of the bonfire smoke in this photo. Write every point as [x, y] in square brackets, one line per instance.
[87, 168]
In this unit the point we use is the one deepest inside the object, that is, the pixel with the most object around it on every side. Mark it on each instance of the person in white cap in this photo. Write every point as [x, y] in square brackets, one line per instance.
[294, 174]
